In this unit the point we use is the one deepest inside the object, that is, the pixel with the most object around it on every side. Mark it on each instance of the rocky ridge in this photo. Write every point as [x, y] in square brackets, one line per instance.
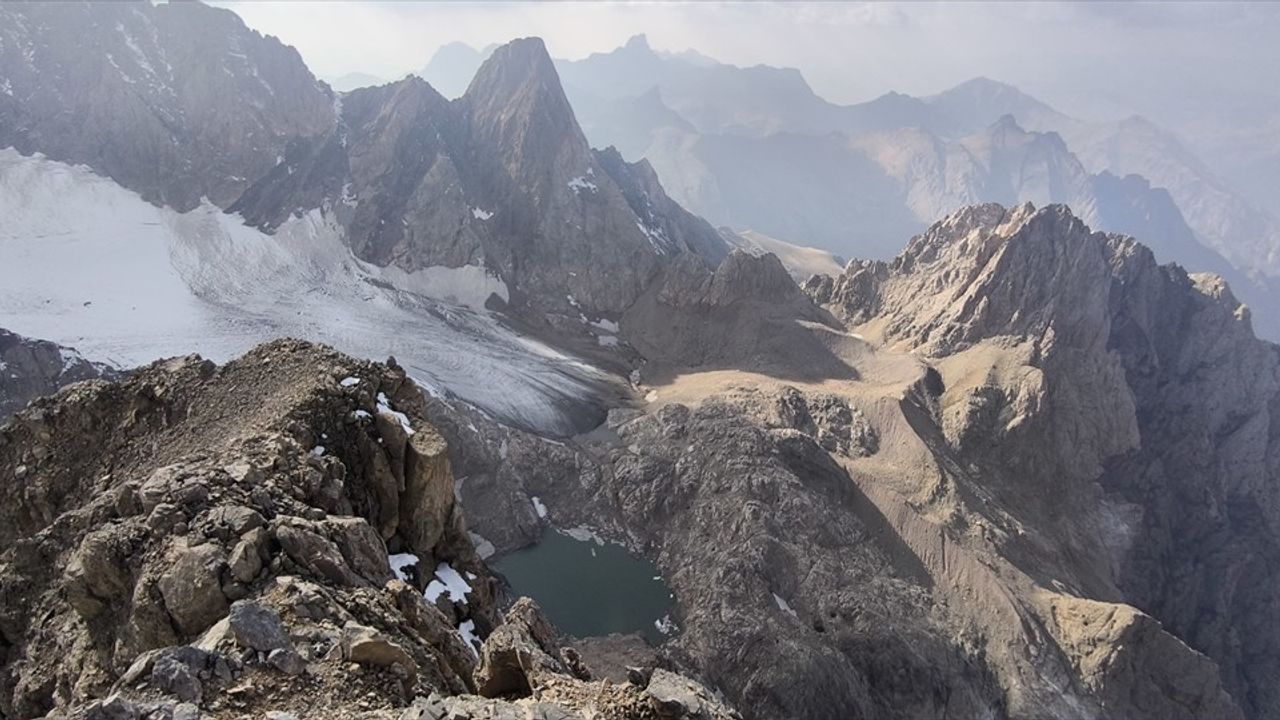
[1073, 355]
[951, 500]
[502, 178]
[204, 541]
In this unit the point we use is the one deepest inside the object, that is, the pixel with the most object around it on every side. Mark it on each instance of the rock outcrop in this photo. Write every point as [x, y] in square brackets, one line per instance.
[746, 314]
[218, 540]
[31, 368]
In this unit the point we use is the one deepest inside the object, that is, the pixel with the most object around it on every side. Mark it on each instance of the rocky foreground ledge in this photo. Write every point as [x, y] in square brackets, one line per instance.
[203, 541]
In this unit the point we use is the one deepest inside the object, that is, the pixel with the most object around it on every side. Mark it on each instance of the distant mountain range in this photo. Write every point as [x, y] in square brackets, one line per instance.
[757, 148]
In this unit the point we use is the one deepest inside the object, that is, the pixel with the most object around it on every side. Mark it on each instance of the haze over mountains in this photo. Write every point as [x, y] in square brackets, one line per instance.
[756, 148]
[907, 422]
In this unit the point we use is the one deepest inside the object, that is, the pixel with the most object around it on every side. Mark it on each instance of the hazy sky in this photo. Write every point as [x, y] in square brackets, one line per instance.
[1175, 61]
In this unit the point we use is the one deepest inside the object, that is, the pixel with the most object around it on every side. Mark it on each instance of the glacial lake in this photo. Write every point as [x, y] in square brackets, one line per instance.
[588, 588]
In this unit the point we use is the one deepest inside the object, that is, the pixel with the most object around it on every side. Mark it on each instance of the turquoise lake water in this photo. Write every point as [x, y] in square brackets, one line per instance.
[587, 588]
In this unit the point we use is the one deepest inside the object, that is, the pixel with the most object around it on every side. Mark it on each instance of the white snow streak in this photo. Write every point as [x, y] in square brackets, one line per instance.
[783, 606]
[581, 183]
[467, 631]
[666, 625]
[449, 583]
[384, 408]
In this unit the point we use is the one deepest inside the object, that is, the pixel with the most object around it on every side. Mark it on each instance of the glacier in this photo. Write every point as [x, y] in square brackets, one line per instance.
[87, 263]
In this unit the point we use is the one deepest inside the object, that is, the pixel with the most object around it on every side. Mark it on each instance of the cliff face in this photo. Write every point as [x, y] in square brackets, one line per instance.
[175, 101]
[257, 538]
[501, 177]
[1072, 360]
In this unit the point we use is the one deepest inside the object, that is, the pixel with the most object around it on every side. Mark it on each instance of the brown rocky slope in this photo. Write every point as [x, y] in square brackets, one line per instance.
[1030, 473]
[204, 541]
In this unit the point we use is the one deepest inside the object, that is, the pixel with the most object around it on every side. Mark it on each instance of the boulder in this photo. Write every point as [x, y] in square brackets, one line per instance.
[257, 626]
[246, 557]
[518, 654]
[314, 553]
[361, 547]
[367, 646]
[673, 696]
[192, 588]
[96, 574]
[177, 671]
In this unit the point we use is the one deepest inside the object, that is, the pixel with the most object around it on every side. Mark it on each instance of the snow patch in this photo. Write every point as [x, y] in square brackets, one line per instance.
[384, 408]
[467, 631]
[348, 198]
[783, 606]
[582, 533]
[362, 414]
[400, 563]
[469, 286]
[657, 237]
[318, 451]
[538, 507]
[608, 326]
[449, 583]
[480, 214]
[607, 340]
[581, 183]
[666, 625]
[69, 357]
[347, 382]
[484, 548]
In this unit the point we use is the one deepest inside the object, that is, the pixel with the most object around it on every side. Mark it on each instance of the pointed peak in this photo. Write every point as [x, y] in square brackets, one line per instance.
[516, 103]
[455, 49]
[638, 43]
[531, 51]
[515, 69]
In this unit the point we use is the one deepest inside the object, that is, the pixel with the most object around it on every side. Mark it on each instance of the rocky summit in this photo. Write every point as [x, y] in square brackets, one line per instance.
[256, 538]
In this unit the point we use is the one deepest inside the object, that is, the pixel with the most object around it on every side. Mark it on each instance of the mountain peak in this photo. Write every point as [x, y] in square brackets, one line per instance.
[520, 65]
[638, 43]
[984, 84]
[516, 99]
[975, 102]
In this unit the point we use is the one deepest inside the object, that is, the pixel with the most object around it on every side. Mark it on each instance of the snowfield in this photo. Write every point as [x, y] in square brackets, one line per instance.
[89, 264]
